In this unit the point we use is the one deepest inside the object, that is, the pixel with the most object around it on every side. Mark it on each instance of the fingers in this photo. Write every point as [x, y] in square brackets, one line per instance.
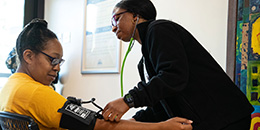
[185, 124]
[112, 116]
[186, 127]
[105, 112]
[177, 123]
[114, 110]
[106, 115]
[118, 117]
[183, 120]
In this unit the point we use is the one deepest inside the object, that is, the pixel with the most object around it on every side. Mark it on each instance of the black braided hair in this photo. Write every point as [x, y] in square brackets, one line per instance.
[143, 8]
[34, 36]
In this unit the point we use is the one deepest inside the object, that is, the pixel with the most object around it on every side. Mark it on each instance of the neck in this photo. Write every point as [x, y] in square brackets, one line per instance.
[137, 37]
[22, 69]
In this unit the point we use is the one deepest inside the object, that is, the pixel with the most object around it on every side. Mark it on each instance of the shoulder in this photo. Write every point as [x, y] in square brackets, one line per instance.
[162, 22]
[164, 25]
[34, 91]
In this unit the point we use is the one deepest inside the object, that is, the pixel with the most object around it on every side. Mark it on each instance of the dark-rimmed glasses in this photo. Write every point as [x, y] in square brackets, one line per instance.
[54, 61]
[114, 20]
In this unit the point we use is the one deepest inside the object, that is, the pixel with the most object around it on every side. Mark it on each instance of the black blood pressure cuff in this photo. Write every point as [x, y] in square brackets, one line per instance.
[75, 117]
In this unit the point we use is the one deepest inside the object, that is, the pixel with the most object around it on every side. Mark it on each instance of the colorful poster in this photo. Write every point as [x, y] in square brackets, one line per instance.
[247, 76]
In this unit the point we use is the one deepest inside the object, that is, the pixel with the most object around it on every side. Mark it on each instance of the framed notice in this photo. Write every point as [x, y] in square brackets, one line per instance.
[101, 48]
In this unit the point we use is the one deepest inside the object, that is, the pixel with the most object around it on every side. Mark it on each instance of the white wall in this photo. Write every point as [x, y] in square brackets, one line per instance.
[205, 19]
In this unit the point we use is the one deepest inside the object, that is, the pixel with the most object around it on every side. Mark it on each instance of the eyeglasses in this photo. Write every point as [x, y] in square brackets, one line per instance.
[54, 61]
[114, 20]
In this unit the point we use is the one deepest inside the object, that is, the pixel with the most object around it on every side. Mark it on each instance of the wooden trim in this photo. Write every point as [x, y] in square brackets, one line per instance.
[33, 9]
[231, 38]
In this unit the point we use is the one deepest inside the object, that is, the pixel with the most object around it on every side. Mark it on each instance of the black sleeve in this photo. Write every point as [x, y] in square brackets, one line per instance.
[168, 62]
[150, 115]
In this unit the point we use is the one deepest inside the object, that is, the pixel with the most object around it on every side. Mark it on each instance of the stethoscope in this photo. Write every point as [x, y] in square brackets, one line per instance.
[130, 46]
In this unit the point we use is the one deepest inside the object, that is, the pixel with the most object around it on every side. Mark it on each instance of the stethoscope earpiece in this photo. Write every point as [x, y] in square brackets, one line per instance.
[131, 44]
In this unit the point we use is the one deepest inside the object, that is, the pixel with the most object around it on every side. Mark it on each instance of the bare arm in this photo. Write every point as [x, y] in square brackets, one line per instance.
[171, 124]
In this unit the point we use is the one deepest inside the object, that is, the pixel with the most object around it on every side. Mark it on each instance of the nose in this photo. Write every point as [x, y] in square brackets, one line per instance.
[114, 28]
[56, 67]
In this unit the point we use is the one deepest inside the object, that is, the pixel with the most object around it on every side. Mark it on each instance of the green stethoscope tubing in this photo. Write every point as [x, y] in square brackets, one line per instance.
[123, 65]
[126, 54]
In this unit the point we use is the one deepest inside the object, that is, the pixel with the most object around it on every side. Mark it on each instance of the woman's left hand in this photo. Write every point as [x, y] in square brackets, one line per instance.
[114, 110]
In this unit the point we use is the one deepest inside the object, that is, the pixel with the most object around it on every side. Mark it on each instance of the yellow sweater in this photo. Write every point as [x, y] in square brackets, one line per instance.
[23, 95]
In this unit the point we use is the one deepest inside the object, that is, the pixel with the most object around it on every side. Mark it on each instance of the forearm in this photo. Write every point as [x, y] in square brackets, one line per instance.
[125, 125]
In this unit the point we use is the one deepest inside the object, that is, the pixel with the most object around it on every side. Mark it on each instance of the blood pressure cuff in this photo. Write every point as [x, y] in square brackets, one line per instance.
[75, 117]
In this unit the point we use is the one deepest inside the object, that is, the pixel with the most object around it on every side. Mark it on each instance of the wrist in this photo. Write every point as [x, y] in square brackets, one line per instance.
[160, 125]
[155, 126]
[129, 100]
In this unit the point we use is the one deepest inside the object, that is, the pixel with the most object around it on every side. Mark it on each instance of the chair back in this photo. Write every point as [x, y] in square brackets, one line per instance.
[13, 121]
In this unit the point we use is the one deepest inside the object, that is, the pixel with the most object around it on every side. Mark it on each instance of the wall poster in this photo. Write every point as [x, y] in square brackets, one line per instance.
[101, 49]
[247, 54]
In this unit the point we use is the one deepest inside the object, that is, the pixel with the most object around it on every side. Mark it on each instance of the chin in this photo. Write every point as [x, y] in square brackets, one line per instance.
[125, 40]
[47, 83]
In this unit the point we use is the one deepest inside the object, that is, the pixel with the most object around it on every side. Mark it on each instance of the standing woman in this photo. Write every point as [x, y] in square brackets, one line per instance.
[182, 78]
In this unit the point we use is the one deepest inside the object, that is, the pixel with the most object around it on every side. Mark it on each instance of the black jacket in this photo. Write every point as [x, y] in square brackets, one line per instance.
[184, 75]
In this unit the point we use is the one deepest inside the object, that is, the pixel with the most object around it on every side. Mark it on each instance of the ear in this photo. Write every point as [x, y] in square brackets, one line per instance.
[134, 19]
[28, 56]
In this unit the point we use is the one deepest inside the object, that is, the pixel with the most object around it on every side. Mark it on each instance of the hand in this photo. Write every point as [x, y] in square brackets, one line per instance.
[114, 110]
[177, 123]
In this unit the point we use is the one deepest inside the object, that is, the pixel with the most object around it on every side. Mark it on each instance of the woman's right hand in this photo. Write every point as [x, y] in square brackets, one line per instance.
[114, 110]
[176, 123]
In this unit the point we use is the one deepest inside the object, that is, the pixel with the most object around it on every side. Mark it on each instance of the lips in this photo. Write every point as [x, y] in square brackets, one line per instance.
[53, 76]
[118, 35]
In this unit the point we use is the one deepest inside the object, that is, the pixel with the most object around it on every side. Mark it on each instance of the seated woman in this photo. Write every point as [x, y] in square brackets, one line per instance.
[28, 91]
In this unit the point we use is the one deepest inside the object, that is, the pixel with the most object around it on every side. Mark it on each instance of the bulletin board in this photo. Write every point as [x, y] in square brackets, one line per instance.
[101, 48]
